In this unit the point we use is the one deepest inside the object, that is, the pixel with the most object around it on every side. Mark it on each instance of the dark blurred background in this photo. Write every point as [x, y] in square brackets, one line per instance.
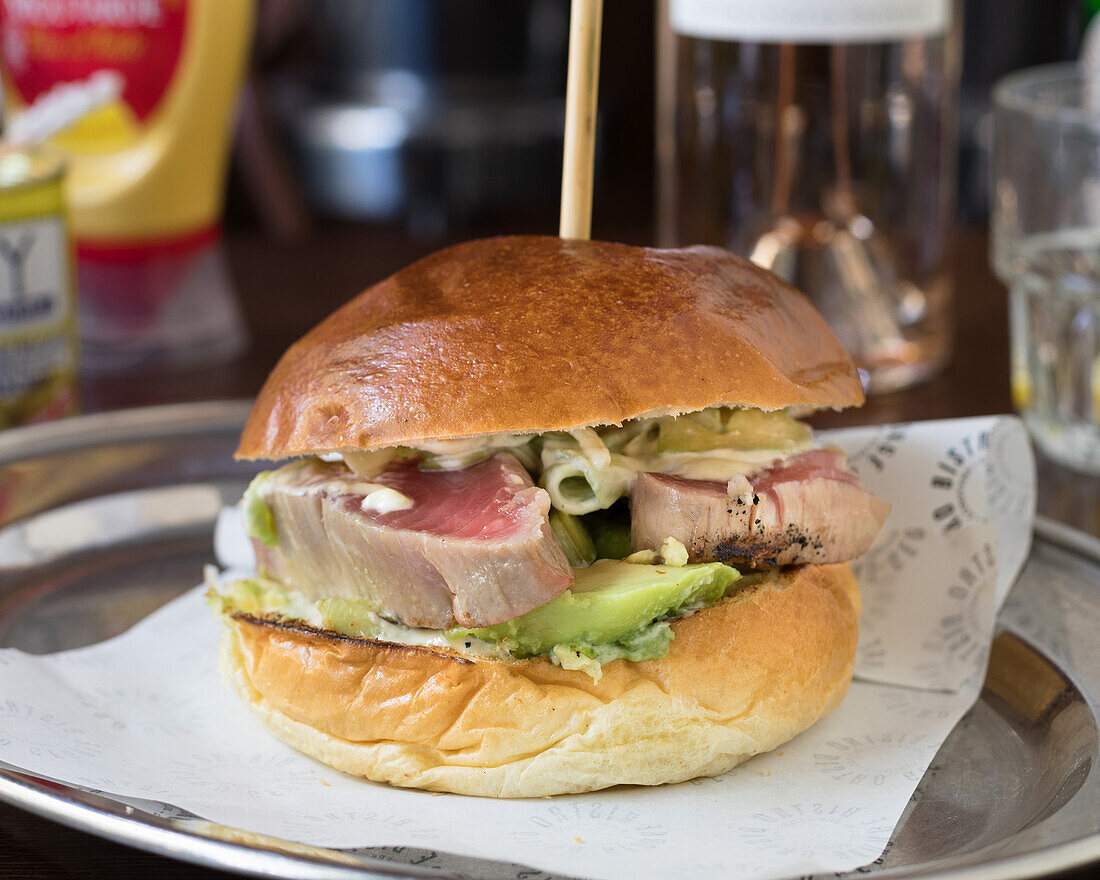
[434, 116]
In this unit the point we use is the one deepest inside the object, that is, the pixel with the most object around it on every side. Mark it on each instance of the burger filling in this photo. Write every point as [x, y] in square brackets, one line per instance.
[579, 546]
[615, 609]
[470, 546]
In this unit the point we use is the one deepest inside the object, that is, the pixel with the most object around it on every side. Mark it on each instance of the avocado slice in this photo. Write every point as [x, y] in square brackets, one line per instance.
[609, 603]
[613, 610]
[259, 521]
[257, 595]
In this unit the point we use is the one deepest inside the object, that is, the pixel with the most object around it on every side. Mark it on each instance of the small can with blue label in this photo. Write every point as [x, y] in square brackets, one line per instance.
[39, 347]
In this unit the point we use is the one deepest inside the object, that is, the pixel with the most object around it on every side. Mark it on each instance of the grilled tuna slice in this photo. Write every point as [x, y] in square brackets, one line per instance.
[474, 548]
[807, 508]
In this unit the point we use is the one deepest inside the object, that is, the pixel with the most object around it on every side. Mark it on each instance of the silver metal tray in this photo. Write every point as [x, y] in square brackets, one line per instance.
[1014, 792]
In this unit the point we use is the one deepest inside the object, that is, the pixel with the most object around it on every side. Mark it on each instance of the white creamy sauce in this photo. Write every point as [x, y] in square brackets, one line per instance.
[717, 465]
[433, 638]
[297, 607]
[382, 499]
[592, 447]
[584, 454]
[441, 455]
[369, 464]
[376, 497]
[474, 444]
[380, 629]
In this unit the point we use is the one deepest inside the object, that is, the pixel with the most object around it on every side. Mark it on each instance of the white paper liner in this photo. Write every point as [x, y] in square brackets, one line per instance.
[144, 716]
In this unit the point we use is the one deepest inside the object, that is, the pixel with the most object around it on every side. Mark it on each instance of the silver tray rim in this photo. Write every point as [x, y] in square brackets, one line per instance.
[99, 815]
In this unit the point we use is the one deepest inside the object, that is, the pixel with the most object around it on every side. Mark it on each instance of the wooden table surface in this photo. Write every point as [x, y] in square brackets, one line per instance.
[285, 289]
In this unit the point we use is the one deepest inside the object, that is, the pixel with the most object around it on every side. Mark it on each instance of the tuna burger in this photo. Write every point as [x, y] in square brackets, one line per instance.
[549, 523]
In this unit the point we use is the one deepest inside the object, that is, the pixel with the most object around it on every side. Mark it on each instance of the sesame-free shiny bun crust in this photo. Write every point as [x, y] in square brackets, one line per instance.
[531, 334]
[741, 677]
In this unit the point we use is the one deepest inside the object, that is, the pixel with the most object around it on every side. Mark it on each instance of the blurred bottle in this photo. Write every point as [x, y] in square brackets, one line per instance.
[38, 338]
[817, 137]
[146, 171]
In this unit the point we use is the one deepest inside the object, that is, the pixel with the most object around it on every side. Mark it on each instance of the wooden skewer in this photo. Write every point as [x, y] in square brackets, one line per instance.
[585, 18]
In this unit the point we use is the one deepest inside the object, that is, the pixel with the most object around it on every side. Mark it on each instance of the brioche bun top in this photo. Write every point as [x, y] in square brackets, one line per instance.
[526, 334]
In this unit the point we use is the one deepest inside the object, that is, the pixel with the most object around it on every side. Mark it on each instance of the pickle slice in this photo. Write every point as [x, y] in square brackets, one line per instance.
[739, 429]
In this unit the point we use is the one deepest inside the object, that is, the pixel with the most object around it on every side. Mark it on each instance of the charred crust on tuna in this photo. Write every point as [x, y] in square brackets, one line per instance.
[745, 552]
[759, 551]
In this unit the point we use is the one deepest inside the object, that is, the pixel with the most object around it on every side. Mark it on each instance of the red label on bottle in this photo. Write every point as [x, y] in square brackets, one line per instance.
[45, 42]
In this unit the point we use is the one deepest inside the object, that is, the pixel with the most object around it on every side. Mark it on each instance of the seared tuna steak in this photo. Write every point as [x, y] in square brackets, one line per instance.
[474, 547]
[807, 508]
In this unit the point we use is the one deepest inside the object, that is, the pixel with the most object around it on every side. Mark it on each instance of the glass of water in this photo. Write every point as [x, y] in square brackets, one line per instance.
[1046, 248]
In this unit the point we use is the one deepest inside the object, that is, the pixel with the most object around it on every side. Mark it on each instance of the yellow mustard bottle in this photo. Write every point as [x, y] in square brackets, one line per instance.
[145, 172]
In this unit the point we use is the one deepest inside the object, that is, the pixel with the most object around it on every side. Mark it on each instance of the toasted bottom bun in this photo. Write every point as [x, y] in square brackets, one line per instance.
[741, 677]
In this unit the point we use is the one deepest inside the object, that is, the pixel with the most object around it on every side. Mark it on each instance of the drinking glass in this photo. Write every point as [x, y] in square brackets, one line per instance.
[817, 138]
[1046, 248]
